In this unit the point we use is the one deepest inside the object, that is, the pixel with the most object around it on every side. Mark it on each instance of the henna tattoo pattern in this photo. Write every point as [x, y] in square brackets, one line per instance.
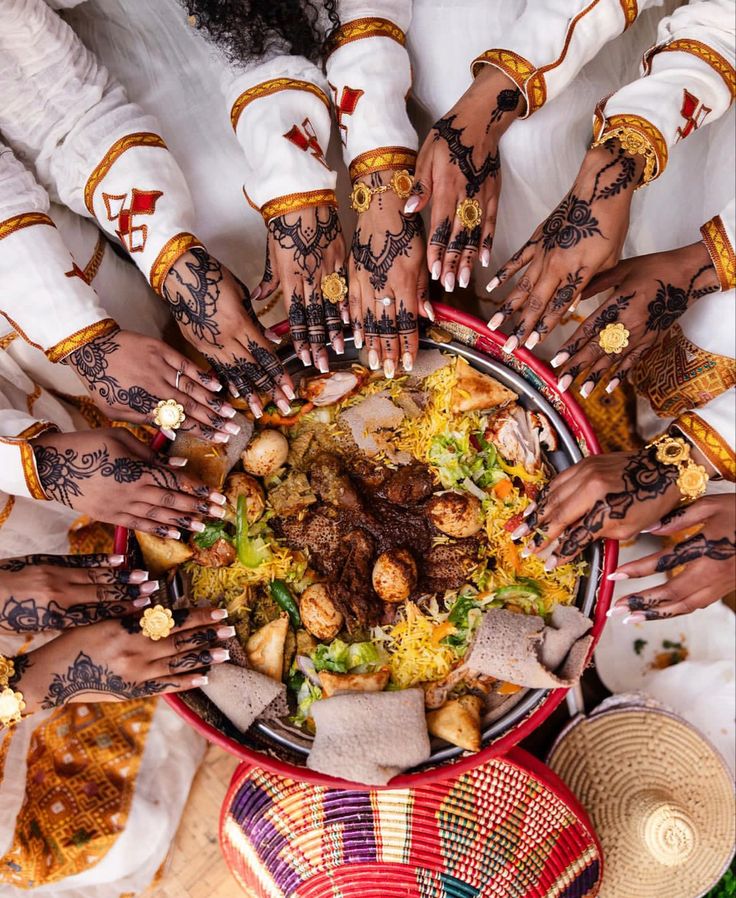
[191, 661]
[26, 616]
[406, 324]
[670, 302]
[59, 472]
[506, 101]
[81, 561]
[198, 639]
[306, 241]
[441, 233]
[463, 239]
[194, 305]
[395, 244]
[698, 546]
[297, 319]
[462, 155]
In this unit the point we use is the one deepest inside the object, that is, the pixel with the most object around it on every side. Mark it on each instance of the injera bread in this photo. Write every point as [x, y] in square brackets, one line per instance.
[243, 695]
[427, 362]
[369, 737]
[520, 649]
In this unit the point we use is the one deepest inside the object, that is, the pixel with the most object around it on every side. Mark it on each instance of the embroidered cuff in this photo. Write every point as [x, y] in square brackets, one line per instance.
[20, 474]
[382, 159]
[270, 87]
[359, 29]
[718, 244]
[700, 50]
[637, 136]
[525, 76]
[710, 442]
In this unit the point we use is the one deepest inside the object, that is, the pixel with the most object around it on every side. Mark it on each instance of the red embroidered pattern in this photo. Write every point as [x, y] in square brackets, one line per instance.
[142, 202]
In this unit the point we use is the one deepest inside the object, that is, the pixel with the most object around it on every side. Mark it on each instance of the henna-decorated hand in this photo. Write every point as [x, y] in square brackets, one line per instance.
[707, 559]
[113, 661]
[128, 374]
[214, 312]
[111, 476]
[388, 280]
[37, 595]
[649, 294]
[460, 160]
[612, 496]
[583, 235]
[302, 248]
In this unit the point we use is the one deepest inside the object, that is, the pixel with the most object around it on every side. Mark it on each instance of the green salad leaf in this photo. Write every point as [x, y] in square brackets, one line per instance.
[211, 533]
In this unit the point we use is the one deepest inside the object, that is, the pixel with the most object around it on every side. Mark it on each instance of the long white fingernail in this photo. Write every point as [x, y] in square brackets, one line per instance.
[176, 461]
[449, 282]
[374, 362]
[617, 610]
[429, 309]
[407, 361]
[220, 655]
[218, 614]
[464, 278]
[221, 438]
[612, 385]
[389, 368]
[587, 388]
[551, 563]
[225, 632]
[485, 257]
[289, 393]
[217, 498]
[436, 270]
[358, 340]
[169, 434]
[526, 552]
[510, 345]
[115, 560]
[529, 509]
[283, 406]
[257, 292]
[272, 336]
[560, 359]
[173, 534]
[635, 618]
[214, 511]
[142, 602]
[234, 429]
[199, 681]
[411, 205]
[534, 338]
[255, 408]
[492, 284]
[617, 575]
[323, 365]
[520, 531]
[197, 526]
[227, 411]
[496, 321]
[564, 383]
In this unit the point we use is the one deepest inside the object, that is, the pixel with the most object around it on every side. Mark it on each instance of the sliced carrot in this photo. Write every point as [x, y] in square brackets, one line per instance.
[503, 488]
[276, 419]
[513, 557]
[441, 631]
[508, 689]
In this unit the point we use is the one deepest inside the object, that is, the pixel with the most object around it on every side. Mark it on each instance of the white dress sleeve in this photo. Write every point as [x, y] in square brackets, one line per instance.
[688, 80]
[18, 472]
[94, 151]
[369, 74]
[553, 39]
[713, 430]
[44, 296]
[718, 236]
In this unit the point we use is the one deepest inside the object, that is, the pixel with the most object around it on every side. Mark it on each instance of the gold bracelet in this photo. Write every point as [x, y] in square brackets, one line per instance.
[635, 144]
[11, 702]
[692, 478]
[402, 184]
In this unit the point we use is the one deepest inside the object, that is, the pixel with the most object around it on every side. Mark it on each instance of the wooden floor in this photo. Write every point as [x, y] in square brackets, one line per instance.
[195, 868]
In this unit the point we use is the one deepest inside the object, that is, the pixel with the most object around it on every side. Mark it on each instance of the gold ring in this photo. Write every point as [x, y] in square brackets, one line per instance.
[334, 287]
[614, 338]
[11, 706]
[402, 184]
[157, 623]
[469, 212]
[169, 414]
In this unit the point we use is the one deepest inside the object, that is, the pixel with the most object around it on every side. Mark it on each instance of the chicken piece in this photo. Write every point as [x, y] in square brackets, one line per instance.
[319, 535]
[437, 693]
[220, 554]
[547, 435]
[370, 475]
[447, 566]
[244, 485]
[332, 484]
[409, 485]
[351, 590]
[319, 614]
[327, 389]
[516, 438]
[293, 495]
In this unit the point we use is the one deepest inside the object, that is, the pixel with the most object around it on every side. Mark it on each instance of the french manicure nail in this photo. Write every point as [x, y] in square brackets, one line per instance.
[142, 602]
[199, 681]
[449, 282]
[218, 614]
[492, 284]
[485, 257]
[234, 429]
[551, 563]
[531, 507]
[389, 368]
[323, 365]
[149, 587]
[407, 361]
[217, 498]
[436, 270]
[496, 321]
[634, 618]
[115, 559]
[617, 575]
[617, 610]
[612, 385]
[215, 385]
[220, 655]
[255, 408]
[373, 361]
[225, 632]
[169, 434]
[560, 359]
[338, 346]
[257, 292]
[464, 278]
[283, 406]
[305, 357]
[533, 340]
[652, 529]
[345, 315]
[197, 526]
[520, 531]
[563, 383]
[214, 511]
[587, 388]
[429, 309]
[227, 411]
[176, 461]
[272, 336]
[358, 340]
[411, 205]
[220, 438]
[173, 534]
[290, 394]
[137, 576]
[510, 345]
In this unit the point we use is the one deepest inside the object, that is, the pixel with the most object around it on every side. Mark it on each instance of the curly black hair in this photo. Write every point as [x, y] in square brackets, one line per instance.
[245, 29]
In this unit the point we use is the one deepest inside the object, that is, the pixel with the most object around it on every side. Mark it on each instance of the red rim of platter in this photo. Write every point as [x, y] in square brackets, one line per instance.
[491, 343]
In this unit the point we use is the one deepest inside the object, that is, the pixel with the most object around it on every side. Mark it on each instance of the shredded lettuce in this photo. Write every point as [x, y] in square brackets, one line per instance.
[306, 697]
[211, 533]
[458, 460]
[340, 657]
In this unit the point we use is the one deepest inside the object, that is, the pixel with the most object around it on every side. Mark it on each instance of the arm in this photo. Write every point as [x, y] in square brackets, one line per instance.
[18, 470]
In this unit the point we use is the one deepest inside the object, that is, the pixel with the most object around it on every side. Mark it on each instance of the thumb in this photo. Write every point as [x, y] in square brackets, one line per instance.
[603, 280]
[682, 518]
[423, 185]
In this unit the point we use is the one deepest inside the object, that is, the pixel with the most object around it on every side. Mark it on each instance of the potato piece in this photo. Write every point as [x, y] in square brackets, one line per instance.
[394, 575]
[265, 648]
[458, 722]
[319, 614]
[335, 683]
[162, 555]
[245, 485]
[475, 391]
[266, 453]
[456, 514]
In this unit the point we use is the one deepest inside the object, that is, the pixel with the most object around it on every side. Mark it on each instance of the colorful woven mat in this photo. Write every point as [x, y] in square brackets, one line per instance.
[497, 831]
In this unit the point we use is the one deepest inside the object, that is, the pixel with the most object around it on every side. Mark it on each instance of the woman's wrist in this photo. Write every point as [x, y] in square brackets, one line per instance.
[502, 101]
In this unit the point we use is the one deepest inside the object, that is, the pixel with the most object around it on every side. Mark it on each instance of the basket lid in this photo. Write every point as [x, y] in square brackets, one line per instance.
[507, 827]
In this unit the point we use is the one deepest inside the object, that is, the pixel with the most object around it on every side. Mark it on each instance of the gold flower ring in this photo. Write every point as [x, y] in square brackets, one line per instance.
[11, 706]
[169, 414]
[334, 287]
[614, 338]
[157, 623]
[469, 213]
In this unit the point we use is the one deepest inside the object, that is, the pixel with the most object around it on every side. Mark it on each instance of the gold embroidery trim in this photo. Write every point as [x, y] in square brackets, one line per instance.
[19, 330]
[382, 159]
[170, 253]
[274, 86]
[93, 266]
[138, 139]
[80, 338]
[710, 442]
[705, 53]
[7, 509]
[630, 9]
[25, 220]
[7, 340]
[292, 202]
[359, 29]
[715, 238]
[519, 70]
[28, 459]
[638, 137]
[32, 397]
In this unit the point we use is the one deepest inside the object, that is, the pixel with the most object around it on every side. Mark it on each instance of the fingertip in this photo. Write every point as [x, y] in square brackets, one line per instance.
[412, 204]
[257, 292]
[492, 284]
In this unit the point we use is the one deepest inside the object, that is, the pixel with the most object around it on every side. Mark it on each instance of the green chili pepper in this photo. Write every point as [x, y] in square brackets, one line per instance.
[284, 599]
[249, 553]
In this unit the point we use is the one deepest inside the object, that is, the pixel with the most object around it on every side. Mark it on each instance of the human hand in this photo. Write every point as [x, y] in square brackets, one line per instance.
[583, 235]
[707, 561]
[128, 374]
[114, 661]
[214, 312]
[111, 476]
[302, 249]
[388, 280]
[650, 294]
[613, 496]
[458, 161]
[40, 595]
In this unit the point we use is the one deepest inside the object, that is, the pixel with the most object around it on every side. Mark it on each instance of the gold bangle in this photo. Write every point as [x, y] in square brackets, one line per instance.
[401, 183]
[635, 144]
[7, 670]
[692, 478]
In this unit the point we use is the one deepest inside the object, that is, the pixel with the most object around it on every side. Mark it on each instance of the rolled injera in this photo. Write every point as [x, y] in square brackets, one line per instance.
[244, 695]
